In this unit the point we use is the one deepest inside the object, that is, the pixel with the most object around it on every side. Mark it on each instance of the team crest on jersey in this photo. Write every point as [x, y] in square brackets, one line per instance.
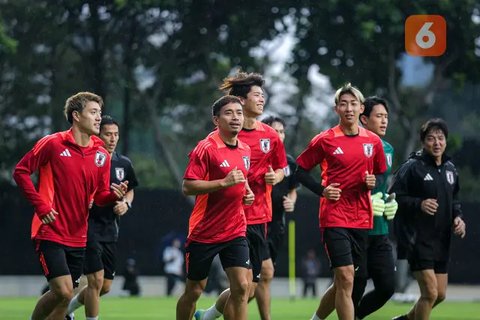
[368, 149]
[389, 159]
[120, 173]
[287, 171]
[246, 161]
[100, 158]
[450, 177]
[265, 145]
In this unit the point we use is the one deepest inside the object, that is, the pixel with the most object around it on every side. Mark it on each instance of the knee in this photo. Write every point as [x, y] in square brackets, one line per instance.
[266, 275]
[95, 283]
[105, 289]
[193, 293]
[344, 280]
[431, 295]
[241, 290]
[386, 289]
[441, 296]
[65, 293]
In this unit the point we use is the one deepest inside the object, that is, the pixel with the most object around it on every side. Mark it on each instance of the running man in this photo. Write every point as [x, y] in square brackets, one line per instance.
[216, 176]
[73, 172]
[350, 157]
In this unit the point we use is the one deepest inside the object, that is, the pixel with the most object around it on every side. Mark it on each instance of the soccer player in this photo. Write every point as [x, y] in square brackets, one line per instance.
[216, 175]
[284, 196]
[73, 171]
[380, 261]
[350, 157]
[268, 163]
[103, 227]
[427, 186]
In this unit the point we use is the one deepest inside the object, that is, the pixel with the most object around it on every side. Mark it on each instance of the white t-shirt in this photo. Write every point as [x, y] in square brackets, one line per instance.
[173, 259]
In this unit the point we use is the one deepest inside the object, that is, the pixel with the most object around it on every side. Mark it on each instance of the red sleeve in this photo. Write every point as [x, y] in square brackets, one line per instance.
[197, 168]
[104, 196]
[312, 155]
[380, 162]
[29, 164]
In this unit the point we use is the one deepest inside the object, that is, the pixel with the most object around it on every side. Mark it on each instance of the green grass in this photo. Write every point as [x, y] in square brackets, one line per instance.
[282, 309]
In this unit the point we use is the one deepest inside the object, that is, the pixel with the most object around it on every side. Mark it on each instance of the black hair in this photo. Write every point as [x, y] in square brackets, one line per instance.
[433, 125]
[372, 101]
[106, 120]
[223, 101]
[240, 84]
[271, 119]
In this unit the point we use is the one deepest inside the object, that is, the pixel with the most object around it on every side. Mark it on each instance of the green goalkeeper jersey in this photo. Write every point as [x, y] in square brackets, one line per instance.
[380, 224]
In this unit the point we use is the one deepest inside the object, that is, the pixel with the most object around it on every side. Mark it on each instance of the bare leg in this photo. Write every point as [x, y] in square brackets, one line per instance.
[427, 283]
[327, 302]
[187, 302]
[262, 292]
[236, 305]
[343, 295]
[53, 304]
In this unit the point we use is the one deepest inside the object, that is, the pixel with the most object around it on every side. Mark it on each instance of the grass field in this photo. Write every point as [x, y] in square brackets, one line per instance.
[282, 309]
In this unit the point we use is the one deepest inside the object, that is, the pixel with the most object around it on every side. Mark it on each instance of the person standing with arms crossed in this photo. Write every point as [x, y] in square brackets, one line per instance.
[73, 172]
[268, 163]
[427, 189]
[350, 157]
[103, 228]
[216, 176]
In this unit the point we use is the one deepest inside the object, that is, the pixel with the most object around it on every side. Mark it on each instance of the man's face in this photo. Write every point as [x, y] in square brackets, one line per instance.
[278, 126]
[88, 121]
[254, 103]
[435, 143]
[348, 109]
[230, 119]
[377, 122]
[110, 135]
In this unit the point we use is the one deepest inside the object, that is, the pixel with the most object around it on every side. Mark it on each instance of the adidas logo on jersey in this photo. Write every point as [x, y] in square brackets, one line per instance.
[338, 151]
[428, 177]
[225, 164]
[65, 153]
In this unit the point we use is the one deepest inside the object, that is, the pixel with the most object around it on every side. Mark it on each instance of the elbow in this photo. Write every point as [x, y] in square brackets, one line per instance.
[186, 190]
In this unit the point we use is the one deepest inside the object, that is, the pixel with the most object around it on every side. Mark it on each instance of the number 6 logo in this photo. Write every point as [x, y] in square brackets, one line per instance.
[425, 35]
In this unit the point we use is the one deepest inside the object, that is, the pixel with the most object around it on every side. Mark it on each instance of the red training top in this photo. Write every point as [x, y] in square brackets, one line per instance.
[267, 150]
[217, 216]
[345, 160]
[69, 178]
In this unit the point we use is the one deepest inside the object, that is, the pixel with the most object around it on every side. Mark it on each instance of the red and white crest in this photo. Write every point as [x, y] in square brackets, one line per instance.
[120, 174]
[100, 158]
[246, 161]
[368, 149]
[265, 145]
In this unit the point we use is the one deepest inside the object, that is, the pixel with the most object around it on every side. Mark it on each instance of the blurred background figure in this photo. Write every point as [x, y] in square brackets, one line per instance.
[173, 264]
[310, 271]
[131, 278]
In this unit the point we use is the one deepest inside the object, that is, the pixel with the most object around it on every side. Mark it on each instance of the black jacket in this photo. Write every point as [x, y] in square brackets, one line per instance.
[419, 178]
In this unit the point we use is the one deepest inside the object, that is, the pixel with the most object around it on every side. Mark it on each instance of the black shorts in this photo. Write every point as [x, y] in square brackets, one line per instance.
[199, 256]
[380, 259]
[59, 260]
[422, 264]
[100, 256]
[428, 254]
[347, 246]
[258, 246]
[275, 237]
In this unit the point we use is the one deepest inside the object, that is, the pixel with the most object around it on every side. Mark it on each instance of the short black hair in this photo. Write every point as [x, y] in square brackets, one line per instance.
[223, 101]
[372, 101]
[433, 124]
[106, 120]
[271, 119]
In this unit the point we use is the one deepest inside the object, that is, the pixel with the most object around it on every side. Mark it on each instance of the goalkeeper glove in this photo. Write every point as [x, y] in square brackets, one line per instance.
[391, 206]
[378, 204]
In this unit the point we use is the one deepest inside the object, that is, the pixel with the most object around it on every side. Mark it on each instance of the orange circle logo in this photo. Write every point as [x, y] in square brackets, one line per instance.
[425, 35]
